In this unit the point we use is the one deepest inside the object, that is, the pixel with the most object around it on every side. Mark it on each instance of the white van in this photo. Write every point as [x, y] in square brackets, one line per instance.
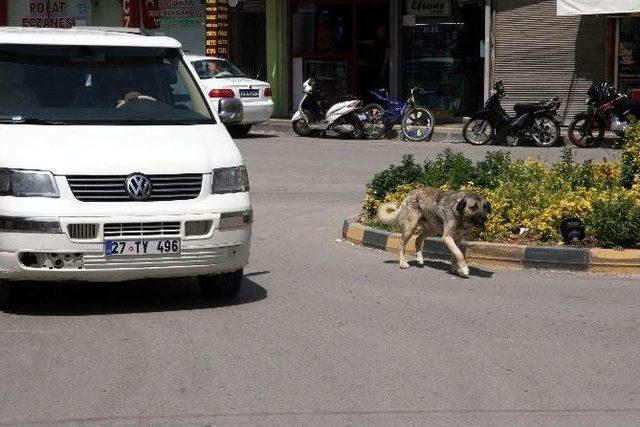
[113, 166]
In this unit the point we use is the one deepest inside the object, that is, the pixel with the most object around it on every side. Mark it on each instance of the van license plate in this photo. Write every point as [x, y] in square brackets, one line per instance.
[141, 247]
[249, 93]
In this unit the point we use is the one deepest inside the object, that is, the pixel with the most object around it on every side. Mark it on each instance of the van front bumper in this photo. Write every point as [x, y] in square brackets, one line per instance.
[219, 251]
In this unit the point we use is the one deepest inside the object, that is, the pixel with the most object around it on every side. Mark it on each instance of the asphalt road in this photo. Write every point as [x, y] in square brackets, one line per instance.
[325, 333]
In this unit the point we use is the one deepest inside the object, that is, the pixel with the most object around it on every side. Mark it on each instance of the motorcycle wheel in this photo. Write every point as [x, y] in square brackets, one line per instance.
[301, 127]
[417, 124]
[547, 133]
[378, 125]
[358, 129]
[478, 131]
[586, 131]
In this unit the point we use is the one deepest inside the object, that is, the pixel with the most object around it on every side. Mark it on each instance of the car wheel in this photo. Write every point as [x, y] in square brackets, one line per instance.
[5, 294]
[239, 131]
[225, 285]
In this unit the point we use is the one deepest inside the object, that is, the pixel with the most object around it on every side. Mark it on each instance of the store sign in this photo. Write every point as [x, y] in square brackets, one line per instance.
[163, 13]
[429, 8]
[217, 33]
[49, 14]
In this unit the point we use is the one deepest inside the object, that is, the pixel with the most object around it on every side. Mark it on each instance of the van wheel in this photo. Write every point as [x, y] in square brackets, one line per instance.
[5, 294]
[225, 285]
[239, 131]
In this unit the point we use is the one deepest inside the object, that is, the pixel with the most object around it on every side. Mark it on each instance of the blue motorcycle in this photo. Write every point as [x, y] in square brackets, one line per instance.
[417, 123]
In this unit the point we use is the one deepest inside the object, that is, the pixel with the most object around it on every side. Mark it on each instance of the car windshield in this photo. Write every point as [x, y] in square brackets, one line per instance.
[218, 68]
[98, 85]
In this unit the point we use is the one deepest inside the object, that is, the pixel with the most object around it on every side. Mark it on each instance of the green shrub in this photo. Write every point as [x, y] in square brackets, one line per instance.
[615, 222]
[408, 171]
[449, 168]
[630, 159]
[492, 169]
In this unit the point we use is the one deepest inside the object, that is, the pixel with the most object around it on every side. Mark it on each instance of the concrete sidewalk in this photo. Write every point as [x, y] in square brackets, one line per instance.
[449, 132]
[442, 133]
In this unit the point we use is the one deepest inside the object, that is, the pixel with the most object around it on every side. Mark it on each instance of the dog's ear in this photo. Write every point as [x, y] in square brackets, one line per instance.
[461, 205]
[488, 207]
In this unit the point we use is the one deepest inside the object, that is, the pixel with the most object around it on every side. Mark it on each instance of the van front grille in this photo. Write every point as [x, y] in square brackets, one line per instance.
[141, 229]
[103, 188]
[83, 231]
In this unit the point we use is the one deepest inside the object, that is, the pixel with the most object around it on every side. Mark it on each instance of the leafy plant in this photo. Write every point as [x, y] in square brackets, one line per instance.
[615, 222]
[449, 168]
[407, 171]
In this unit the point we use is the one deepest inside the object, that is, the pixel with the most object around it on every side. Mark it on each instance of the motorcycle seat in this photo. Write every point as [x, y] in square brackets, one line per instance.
[533, 106]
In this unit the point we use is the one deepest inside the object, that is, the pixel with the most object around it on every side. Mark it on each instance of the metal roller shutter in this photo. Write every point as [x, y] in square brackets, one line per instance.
[539, 55]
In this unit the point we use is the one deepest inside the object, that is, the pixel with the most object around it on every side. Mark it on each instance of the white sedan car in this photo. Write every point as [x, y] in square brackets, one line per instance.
[223, 80]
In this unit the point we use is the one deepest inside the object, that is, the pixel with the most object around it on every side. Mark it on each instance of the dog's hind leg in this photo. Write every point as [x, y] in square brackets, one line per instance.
[409, 224]
[426, 232]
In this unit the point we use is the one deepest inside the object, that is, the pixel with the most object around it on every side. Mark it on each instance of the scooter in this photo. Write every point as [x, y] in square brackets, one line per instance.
[536, 121]
[343, 117]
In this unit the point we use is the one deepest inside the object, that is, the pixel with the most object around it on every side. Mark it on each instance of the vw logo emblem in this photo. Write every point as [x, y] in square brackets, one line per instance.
[138, 186]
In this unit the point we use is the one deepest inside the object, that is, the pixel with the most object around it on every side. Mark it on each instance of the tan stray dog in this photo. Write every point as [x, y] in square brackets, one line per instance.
[440, 213]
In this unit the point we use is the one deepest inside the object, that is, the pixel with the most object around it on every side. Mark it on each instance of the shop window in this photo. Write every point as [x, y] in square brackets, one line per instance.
[629, 55]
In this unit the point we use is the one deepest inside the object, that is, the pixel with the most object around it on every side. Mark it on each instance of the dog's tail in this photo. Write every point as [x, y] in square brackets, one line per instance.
[388, 213]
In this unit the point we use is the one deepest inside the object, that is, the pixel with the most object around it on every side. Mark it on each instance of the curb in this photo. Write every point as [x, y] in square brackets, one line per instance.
[593, 260]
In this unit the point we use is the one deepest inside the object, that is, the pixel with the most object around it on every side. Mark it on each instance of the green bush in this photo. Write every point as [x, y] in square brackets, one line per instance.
[630, 159]
[615, 222]
[449, 168]
[407, 171]
[492, 169]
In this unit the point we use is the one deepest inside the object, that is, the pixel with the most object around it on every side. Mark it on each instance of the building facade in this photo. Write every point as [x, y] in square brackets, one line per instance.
[453, 49]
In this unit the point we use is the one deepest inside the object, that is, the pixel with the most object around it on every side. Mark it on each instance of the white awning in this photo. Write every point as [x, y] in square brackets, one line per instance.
[597, 7]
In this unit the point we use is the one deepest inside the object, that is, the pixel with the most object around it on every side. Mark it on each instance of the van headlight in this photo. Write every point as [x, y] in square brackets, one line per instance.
[230, 180]
[27, 183]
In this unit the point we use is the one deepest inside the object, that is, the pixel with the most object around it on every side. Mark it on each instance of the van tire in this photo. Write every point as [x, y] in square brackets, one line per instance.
[225, 285]
[239, 131]
[5, 294]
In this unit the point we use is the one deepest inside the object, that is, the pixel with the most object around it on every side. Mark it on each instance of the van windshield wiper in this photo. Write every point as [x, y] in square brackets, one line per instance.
[29, 120]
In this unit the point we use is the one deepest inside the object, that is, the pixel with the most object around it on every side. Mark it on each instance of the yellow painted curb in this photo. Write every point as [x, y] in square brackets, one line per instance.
[393, 244]
[615, 261]
[496, 254]
[355, 233]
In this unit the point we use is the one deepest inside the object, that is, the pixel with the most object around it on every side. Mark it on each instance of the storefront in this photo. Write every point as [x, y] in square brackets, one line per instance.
[443, 52]
[627, 72]
[344, 43]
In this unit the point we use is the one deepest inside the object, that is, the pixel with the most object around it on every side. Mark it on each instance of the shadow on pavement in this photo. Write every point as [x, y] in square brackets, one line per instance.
[446, 267]
[257, 136]
[80, 299]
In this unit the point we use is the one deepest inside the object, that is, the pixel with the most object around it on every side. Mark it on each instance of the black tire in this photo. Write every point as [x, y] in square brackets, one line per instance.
[239, 131]
[423, 118]
[376, 114]
[471, 126]
[301, 127]
[5, 294]
[586, 130]
[551, 134]
[358, 129]
[225, 285]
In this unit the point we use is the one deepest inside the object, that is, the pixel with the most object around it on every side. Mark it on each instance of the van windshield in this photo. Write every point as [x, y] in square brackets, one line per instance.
[98, 85]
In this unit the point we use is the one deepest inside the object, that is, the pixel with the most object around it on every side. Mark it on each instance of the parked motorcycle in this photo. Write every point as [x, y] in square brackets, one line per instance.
[536, 121]
[608, 109]
[417, 123]
[343, 117]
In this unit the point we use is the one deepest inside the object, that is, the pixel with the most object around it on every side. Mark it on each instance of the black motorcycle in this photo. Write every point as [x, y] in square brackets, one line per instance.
[608, 109]
[537, 121]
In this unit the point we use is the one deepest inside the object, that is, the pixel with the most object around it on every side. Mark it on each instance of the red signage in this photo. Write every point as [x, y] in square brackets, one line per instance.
[131, 12]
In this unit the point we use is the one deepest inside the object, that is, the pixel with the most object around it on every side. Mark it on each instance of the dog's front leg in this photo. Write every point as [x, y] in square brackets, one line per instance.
[461, 264]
